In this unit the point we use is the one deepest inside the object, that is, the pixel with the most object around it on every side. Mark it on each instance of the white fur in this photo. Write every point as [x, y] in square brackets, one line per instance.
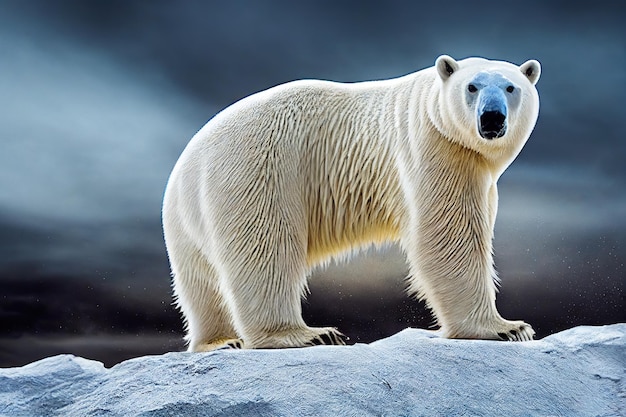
[290, 177]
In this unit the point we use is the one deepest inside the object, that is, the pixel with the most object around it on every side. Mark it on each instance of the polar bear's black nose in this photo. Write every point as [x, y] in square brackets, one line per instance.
[492, 124]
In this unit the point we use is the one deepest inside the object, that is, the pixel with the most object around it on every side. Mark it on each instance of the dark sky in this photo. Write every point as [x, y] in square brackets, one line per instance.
[98, 99]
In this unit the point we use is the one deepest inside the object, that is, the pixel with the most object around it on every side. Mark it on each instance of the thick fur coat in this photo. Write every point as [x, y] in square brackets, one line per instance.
[288, 178]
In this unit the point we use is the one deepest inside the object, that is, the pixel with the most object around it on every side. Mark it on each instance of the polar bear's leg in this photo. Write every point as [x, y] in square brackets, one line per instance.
[208, 321]
[266, 278]
[266, 301]
[465, 307]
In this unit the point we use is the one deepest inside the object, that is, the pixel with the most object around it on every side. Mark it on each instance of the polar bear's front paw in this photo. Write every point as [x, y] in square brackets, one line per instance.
[328, 336]
[495, 329]
[515, 331]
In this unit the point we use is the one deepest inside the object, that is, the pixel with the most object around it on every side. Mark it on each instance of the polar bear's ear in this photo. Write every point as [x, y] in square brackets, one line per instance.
[446, 65]
[532, 70]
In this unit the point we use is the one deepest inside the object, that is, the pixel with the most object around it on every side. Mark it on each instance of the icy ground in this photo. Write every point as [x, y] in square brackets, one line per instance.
[578, 372]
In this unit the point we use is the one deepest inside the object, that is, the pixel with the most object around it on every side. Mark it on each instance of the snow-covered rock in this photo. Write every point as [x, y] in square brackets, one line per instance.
[578, 372]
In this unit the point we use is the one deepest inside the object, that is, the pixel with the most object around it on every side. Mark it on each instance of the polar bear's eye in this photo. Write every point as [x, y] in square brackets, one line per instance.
[472, 88]
[510, 89]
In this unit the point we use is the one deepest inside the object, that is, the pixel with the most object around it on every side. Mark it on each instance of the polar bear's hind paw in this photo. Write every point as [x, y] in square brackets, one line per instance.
[219, 344]
[234, 344]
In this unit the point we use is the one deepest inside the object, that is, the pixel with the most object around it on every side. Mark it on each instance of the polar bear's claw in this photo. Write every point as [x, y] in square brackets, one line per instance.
[219, 344]
[330, 337]
[519, 333]
[235, 344]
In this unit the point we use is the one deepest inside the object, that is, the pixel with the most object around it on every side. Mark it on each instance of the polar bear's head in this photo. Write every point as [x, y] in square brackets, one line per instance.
[486, 105]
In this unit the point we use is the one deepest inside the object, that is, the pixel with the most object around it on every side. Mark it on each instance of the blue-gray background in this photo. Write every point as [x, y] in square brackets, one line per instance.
[98, 99]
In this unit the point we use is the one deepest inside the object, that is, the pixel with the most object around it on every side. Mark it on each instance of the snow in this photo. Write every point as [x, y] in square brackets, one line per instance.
[578, 372]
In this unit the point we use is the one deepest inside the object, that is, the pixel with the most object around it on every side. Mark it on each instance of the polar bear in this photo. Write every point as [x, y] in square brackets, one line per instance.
[290, 177]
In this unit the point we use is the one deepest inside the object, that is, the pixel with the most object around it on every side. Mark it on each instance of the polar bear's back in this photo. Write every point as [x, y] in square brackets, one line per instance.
[311, 150]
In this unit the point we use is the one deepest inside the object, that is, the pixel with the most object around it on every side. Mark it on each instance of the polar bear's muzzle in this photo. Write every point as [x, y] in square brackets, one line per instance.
[492, 113]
